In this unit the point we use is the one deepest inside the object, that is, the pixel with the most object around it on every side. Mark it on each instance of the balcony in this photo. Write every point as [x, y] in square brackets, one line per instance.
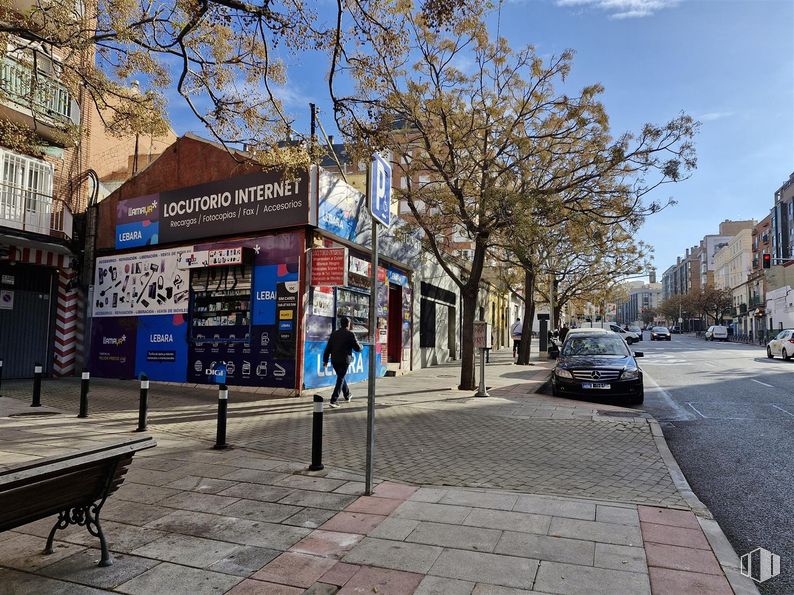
[41, 100]
[30, 211]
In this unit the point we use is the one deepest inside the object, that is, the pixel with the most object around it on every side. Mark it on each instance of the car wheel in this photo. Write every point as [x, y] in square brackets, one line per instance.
[554, 390]
[638, 400]
[785, 355]
[769, 353]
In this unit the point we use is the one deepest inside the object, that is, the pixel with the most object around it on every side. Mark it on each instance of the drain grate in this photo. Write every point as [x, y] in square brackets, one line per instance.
[34, 414]
[621, 413]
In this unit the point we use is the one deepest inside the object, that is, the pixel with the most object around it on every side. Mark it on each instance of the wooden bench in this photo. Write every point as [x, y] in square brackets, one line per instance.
[74, 487]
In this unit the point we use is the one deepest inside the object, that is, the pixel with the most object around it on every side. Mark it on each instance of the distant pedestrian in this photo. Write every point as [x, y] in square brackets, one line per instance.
[563, 333]
[515, 333]
[341, 345]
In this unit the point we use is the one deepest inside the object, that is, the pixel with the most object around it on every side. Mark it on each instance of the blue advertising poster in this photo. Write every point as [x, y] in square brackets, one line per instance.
[254, 363]
[266, 280]
[140, 233]
[113, 347]
[137, 221]
[315, 375]
[161, 350]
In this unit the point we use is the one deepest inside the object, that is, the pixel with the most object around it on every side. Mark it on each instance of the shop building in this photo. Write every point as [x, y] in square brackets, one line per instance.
[204, 268]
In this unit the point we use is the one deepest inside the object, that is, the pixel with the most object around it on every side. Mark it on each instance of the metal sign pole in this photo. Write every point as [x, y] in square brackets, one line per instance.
[373, 322]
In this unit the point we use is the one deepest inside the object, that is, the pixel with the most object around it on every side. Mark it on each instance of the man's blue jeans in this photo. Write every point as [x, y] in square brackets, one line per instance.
[341, 383]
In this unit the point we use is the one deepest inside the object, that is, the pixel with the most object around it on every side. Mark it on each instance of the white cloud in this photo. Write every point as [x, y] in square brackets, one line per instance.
[623, 9]
[711, 116]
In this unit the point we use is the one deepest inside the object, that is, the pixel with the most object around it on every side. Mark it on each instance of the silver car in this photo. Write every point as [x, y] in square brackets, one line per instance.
[782, 345]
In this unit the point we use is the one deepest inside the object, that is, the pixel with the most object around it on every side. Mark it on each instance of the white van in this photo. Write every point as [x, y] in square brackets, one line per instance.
[628, 336]
[717, 332]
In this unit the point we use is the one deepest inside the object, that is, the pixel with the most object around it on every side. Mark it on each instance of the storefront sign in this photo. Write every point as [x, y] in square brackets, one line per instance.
[140, 284]
[328, 267]
[137, 221]
[398, 278]
[7, 279]
[225, 256]
[359, 266]
[253, 202]
[193, 259]
[323, 302]
[287, 318]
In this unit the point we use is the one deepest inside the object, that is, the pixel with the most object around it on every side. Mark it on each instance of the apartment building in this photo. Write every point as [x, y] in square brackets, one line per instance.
[642, 298]
[42, 188]
[783, 221]
[757, 280]
[55, 156]
[684, 276]
[733, 265]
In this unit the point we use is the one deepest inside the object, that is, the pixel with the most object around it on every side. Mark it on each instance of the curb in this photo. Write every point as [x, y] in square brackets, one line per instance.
[723, 550]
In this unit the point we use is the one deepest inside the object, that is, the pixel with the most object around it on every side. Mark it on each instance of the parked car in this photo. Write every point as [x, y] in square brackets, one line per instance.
[661, 333]
[628, 336]
[600, 364]
[637, 330]
[782, 345]
[717, 332]
[676, 330]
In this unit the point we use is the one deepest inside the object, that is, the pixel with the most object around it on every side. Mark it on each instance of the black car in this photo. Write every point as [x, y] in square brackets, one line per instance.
[660, 333]
[598, 364]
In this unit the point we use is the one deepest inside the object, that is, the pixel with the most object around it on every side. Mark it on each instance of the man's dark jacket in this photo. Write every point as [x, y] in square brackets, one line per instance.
[341, 345]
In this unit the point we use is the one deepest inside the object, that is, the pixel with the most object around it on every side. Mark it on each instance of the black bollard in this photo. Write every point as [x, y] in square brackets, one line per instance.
[86, 376]
[317, 435]
[1, 375]
[223, 404]
[36, 386]
[143, 407]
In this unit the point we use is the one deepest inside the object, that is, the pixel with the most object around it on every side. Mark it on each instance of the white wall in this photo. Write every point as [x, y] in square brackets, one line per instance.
[780, 308]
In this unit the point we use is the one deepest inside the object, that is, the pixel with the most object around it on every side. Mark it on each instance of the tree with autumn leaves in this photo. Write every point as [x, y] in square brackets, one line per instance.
[485, 140]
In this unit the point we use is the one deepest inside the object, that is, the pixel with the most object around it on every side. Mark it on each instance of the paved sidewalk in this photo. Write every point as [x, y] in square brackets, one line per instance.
[542, 495]
[427, 431]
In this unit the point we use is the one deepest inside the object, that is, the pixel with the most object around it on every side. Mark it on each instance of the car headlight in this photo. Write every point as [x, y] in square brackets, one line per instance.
[563, 373]
[631, 374]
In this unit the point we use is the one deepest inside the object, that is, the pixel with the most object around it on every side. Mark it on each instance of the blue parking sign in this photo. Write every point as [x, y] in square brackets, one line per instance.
[380, 189]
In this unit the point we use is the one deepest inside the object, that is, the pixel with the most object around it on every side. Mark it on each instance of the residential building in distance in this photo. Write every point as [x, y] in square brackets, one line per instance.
[757, 281]
[783, 221]
[733, 265]
[642, 298]
[713, 243]
[684, 276]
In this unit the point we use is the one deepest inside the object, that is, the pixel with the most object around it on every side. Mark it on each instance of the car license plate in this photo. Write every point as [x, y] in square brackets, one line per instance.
[599, 385]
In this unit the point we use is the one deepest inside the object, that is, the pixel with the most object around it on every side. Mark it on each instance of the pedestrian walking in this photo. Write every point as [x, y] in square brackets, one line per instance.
[341, 345]
[563, 333]
[515, 333]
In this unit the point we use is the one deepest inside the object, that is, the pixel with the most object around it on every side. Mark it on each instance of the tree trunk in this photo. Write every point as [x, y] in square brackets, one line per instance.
[469, 297]
[529, 316]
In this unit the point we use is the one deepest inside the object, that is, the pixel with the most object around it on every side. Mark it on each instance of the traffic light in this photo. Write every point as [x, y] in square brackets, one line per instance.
[767, 260]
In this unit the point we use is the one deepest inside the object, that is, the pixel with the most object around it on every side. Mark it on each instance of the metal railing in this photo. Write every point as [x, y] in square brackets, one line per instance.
[43, 93]
[24, 209]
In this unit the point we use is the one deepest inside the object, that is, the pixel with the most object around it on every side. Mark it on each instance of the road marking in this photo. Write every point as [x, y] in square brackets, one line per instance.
[783, 410]
[696, 411]
[764, 383]
[681, 414]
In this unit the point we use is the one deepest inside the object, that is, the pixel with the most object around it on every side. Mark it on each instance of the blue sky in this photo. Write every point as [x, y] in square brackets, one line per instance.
[729, 64]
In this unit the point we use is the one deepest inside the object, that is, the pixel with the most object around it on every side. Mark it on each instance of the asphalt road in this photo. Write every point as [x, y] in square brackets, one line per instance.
[727, 413]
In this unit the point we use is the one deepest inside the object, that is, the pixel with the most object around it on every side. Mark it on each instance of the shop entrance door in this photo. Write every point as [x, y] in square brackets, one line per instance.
[26, 319]
[395, 346]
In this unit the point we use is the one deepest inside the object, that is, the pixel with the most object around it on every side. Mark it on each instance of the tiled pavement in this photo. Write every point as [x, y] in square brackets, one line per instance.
[427, 431]
[193, 520]
[251, 519]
